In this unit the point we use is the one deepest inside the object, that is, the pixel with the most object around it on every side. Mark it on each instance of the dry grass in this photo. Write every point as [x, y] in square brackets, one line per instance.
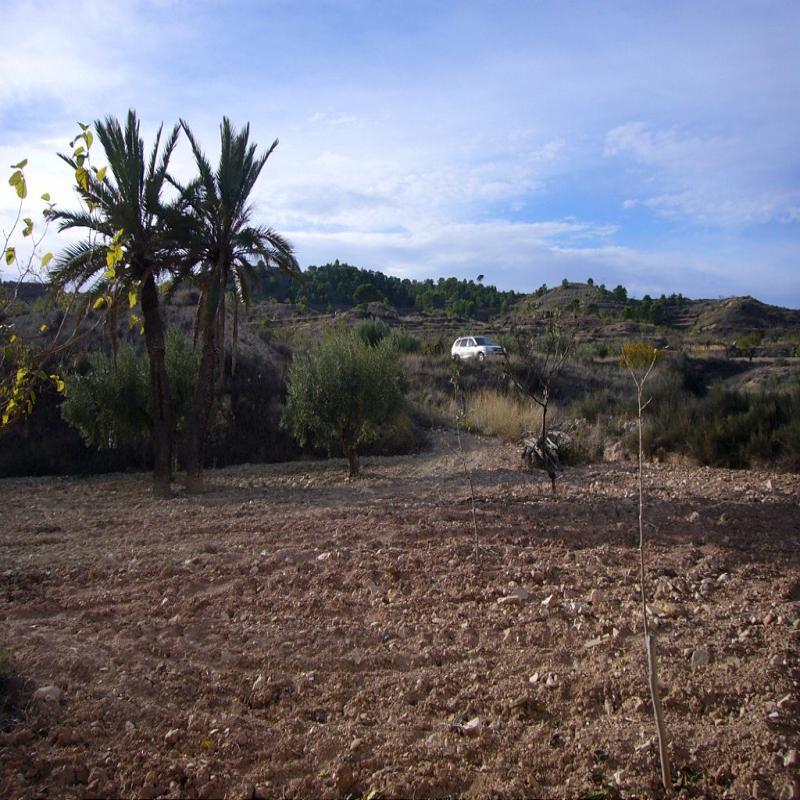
[494, 414]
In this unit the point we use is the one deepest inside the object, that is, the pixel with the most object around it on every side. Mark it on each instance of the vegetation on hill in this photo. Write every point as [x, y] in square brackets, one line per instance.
[338, 285]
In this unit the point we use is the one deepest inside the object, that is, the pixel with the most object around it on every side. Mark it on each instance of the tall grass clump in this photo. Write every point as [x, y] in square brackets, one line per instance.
[495, 414]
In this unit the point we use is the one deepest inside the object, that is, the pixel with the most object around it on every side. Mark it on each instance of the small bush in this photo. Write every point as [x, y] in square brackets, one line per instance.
[595, 404]
[373, 331]
[728, 428]
[110, 402]
[405, 342]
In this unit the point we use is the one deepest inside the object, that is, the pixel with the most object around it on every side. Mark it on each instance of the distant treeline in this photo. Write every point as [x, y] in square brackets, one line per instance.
[342, 285]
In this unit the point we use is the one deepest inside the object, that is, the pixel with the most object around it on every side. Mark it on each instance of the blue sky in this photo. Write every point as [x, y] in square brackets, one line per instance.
[645, 143]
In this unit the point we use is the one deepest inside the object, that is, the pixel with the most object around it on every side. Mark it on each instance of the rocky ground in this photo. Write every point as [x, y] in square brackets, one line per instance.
[292, 633]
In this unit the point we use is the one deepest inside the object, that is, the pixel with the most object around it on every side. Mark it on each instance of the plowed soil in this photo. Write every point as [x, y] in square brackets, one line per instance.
[291, 633]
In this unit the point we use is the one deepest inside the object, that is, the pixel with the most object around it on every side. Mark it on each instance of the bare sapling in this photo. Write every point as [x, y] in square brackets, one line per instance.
[541, 361]
[640, 358]
[460, 416]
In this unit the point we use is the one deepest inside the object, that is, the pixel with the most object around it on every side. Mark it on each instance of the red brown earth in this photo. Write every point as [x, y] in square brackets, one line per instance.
[292, 633]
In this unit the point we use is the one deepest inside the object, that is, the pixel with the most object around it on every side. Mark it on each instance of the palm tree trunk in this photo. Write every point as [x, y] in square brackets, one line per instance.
[221, 312]
[203, 399]
[159, 388]
[235, 335]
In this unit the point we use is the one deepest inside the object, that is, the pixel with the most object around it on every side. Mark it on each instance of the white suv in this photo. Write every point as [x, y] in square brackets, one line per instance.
[479, 347]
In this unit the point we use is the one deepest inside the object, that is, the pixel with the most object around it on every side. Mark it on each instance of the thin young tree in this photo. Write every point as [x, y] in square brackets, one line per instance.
[223, 247]
[131, 243]
[460, 417]
[640, 358]
[541, 361]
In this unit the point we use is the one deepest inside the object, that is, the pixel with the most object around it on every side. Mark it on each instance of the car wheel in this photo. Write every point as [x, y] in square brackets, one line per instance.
[481, 356]
[456, 358]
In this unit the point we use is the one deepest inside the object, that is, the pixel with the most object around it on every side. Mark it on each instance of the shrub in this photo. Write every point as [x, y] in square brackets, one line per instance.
[373, 331]
[109, 403]
[341, 392]
[405, 342]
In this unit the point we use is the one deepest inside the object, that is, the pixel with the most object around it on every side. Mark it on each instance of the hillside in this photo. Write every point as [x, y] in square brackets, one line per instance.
[592, 393]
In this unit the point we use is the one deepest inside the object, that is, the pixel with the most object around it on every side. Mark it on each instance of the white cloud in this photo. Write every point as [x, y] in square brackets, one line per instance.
[710, 180]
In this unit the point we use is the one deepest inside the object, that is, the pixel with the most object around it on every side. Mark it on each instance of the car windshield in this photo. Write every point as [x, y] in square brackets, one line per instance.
[482, 341]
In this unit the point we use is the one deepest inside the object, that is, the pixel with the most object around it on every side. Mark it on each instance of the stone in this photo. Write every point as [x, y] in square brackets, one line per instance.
[552, 681]
[723, 578]
[472, 727]
[791, 759]
[594, 597]
[693, 517]
[791, 791]
[63, 775]
[129, 727]
[549, 602]
[172, 737]
[48, 695]
[517, 596]
[534, 678]
[784, 701]
[701, 657]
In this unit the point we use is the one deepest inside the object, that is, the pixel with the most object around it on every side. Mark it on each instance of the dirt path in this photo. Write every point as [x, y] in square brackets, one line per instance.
[292, 633]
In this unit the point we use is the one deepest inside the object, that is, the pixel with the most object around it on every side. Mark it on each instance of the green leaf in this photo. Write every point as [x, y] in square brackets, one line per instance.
[17, 180]
[11, 256]
[43, 328]
[79, 151]
[22, 164]
[59, 383]
[113, 255]
[110, 274]
[46, 259]
[131, 299]
[28, 229]
[83, 127]
[46, 197]
[101, 173]
[82, 178]
[88, 138]
[99, 303]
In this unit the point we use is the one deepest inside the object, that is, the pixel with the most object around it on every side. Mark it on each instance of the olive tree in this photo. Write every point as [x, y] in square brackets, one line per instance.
[341, 391]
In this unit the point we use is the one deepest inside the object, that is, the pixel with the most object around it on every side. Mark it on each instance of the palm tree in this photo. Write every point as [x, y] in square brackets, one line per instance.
[222, 247]
[125, 207]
